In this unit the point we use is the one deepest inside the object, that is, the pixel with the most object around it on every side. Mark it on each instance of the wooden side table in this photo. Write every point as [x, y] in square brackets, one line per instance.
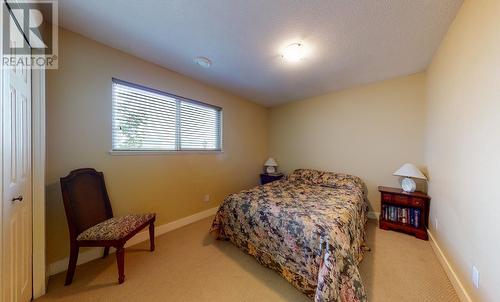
[267, 178]
[404, 212]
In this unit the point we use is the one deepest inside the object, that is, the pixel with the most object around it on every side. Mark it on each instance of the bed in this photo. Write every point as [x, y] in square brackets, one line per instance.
[310, 227]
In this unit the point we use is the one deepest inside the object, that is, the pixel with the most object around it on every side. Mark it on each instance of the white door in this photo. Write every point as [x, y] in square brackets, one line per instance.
[16, 200]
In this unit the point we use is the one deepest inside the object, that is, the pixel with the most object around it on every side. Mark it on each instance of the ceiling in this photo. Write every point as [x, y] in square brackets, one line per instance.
[351, 42]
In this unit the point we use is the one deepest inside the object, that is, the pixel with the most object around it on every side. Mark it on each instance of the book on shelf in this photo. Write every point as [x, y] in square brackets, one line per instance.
[409, 216]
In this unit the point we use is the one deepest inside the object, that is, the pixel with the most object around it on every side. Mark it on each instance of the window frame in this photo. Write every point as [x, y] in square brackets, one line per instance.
[160, 151]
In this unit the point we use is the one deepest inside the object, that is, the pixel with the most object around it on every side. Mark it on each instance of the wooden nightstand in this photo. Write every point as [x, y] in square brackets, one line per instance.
[404, 212]
[266, 178]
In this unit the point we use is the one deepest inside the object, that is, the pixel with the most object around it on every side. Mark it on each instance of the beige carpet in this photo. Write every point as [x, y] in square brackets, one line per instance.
[188, 265]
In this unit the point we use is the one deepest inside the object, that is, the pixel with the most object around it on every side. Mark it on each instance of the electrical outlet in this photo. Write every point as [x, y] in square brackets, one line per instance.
[435, 223]
[475, 276]
[206, 198]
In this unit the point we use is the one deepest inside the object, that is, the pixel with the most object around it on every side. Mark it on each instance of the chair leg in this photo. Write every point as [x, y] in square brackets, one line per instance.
[152, 236]
[73, 258]
[106, 252]
[120, 261]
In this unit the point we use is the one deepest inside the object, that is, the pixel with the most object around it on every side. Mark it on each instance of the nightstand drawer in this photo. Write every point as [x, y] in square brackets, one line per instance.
[386, 197]
[406, 200]
[417, 202]
[402, 200]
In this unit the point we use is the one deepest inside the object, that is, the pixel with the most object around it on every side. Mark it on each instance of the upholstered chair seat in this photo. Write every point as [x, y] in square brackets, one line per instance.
[115, 228]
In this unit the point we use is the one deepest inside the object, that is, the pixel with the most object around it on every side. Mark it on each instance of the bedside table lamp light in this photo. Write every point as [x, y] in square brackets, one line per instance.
[270, 165]
[409, 171]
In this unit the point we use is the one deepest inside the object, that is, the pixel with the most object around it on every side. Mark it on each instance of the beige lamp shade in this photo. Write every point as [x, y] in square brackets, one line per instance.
[270, 162]
[409, 170]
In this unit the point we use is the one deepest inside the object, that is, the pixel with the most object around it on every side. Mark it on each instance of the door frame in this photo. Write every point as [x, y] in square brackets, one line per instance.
[40, 277]
[39, 272]
[1, 161]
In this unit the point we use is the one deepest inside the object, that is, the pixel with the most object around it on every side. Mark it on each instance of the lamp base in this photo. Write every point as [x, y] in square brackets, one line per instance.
[270, 169]
[408, 185]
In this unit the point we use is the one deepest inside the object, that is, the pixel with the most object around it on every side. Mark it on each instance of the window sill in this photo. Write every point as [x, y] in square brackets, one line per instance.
[163, 152]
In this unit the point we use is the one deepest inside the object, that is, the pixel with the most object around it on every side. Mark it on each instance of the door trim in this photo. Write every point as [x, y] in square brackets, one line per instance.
[38, 181]
[1, 162]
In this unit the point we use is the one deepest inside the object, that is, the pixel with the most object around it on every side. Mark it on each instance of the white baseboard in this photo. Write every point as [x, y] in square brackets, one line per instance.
[94, 253]
[450, 272]
[373, 215]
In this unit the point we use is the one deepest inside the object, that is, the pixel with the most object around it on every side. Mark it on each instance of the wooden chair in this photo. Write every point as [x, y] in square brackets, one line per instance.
[91, 221]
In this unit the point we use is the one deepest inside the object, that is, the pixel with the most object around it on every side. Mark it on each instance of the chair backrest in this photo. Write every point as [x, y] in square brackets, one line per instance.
[86, 200]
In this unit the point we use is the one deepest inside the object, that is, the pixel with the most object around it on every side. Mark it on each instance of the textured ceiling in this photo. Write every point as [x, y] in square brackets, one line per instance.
[352, 42]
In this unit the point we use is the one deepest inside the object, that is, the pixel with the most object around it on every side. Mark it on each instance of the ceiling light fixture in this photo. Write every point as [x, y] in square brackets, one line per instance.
[203, 62]
[294, 52]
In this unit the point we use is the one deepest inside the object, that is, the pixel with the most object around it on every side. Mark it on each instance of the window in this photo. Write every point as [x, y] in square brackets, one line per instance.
[145, 119]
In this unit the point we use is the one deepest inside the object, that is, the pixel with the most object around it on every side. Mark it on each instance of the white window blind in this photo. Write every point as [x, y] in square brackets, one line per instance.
[146, 119]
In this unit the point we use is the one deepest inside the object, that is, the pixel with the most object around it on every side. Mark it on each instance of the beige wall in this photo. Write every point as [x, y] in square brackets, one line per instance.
[79, 135]
[463, 145]
[368, 131]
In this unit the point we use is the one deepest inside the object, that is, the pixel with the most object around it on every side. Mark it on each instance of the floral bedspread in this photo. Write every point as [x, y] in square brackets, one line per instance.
[310, 227]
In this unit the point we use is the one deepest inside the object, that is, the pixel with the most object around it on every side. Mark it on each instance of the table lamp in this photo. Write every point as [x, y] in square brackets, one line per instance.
[270, 165]
[409, 171]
